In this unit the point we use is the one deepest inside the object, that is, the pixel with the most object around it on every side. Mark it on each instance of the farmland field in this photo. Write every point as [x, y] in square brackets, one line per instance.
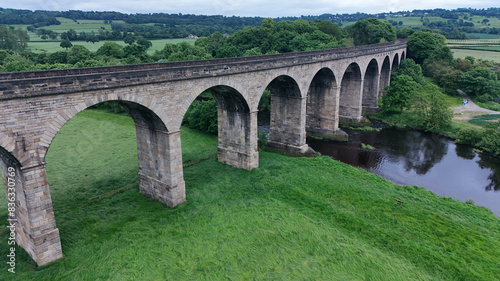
[53, 46]
[485, 55]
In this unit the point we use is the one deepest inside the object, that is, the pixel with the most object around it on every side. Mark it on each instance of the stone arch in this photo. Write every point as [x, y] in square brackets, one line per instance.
[403, 55]
[160, 173]
[385, 76]
[323, 104]
[351, 94]
[287, 130]
[141, 108]
[371, 84]
[160, 177]
[395, 62]
[237, 128]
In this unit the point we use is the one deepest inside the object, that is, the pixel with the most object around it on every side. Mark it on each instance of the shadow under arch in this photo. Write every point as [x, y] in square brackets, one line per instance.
[371, 84]
[287, 130]
[236, 128]
[323, 105]
[395, 62]
[350, 106]
[385, 76]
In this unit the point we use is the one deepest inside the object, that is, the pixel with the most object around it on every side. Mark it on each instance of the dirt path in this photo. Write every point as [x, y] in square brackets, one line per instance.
[468, 111]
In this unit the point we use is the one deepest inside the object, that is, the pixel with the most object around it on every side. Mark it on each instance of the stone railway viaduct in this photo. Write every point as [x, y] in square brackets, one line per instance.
[309, 91]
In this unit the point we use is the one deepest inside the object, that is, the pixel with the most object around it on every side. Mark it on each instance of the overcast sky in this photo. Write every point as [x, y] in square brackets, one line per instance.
[264, 8]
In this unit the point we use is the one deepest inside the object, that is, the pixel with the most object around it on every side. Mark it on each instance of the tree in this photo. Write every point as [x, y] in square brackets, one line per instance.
[410, 68]
[144, 42]
[78, 53]
[13, 39]
[66, 44]
[422, 44]
[111, 49]
[430, 106]
[491, 138]
[480, 81]
[129, 39]
[329, 28]
[372, 31]
[212, 43]
[399, 93]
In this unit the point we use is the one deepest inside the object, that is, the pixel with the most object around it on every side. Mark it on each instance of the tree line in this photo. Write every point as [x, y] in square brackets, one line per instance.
[416, 95]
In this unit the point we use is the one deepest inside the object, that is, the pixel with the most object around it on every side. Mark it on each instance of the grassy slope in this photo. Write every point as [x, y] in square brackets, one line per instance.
[290, 219]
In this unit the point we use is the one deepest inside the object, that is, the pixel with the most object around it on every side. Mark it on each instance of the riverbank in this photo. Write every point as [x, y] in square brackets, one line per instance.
[292, 218]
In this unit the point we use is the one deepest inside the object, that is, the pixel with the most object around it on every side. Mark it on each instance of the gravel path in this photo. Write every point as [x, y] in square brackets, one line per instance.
[468, 111]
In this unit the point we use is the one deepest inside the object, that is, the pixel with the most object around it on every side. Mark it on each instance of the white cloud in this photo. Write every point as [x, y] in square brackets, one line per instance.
[265, 8]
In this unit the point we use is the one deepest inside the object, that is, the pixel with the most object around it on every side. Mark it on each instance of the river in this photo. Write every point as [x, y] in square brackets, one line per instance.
[407, 157]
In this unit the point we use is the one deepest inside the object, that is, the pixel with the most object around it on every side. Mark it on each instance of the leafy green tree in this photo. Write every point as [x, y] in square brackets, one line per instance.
[410, 68]
[480, 81]
[329, 28]
[58, 57]
[111, 49]
[65, 44]
[212, 43]
[430, 106]
[422, 44]
[78, 53]
[372, 31]
[129, 39]
[202, 115]
[404, 32]
[13, 39]
[491, 138]
[399, 93]
[144, 42]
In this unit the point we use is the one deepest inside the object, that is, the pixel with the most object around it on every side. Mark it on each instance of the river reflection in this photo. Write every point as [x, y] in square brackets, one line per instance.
[424, 159]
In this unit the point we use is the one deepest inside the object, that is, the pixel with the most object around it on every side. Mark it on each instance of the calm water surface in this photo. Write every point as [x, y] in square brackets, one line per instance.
[424, 159]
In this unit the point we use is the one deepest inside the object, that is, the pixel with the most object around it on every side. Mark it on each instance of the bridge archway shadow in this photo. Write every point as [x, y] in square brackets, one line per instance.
[395, 62]
[371, 84]
[287, 116]
[385, 76]
[323, 105]
[351, 94]
[234, 125]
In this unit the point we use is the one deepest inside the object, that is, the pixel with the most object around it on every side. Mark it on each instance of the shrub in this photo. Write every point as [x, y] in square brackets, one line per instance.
[491, 138]
[469, 136]
[202, 115]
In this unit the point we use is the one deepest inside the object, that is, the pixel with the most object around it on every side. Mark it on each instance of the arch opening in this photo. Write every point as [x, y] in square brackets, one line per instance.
[236, 126]
[385, 76]
[395, 62]
[287, 117]
[323, 105]
[82, 162]
[351, 87]
[371, 85]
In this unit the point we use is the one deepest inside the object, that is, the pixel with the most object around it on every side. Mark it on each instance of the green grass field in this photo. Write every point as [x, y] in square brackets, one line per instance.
[290, 219]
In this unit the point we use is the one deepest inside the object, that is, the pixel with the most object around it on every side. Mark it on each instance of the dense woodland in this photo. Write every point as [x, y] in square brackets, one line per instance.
[455, 25]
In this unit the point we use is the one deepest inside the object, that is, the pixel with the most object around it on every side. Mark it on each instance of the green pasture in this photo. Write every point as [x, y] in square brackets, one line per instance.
[484, 55]
[292, 218]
